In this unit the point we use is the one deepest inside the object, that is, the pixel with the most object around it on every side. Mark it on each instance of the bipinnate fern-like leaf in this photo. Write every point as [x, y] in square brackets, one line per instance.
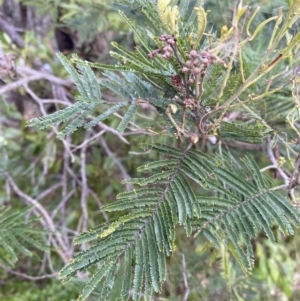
[243, 203]
[255, 133]
[129, 89]
[16, 234]
[88, 99]
[242, 207]
[145, 236]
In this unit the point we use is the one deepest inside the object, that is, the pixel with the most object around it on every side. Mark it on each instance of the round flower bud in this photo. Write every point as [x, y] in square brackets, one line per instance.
[167, 48]
[204, 60]
[185, 70]
[188, 64]
[193, 54]
[166, 55]
[196, 62]
[171, 41]
[197, 71]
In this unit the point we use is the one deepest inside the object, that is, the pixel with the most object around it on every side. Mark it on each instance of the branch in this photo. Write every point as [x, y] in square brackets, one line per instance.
[33, 278]
[47, 221]
[272, 158]
[122, 169]
[84, 186]
[11, 32]
[184, 275]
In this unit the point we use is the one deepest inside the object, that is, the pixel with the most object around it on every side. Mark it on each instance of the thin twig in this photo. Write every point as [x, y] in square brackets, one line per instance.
[11, 31]
[87, 141]
[26, 71]
[65, 195]
[122, 169]
[185, 282]
[33, 278]
[43, 111]
[84, 186]
[99, 203]
[272, 158]
[48, 191]
[47, 221]
[18, 83]
[62, 203]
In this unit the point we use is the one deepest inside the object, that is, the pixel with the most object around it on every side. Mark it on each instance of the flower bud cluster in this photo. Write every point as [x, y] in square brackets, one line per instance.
[189, 103]
[193, 65]
[167, 49]
[207, 58]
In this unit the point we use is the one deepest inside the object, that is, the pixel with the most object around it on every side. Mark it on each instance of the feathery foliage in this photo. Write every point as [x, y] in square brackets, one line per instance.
[16, 235]
[204, 88]
[242, 205]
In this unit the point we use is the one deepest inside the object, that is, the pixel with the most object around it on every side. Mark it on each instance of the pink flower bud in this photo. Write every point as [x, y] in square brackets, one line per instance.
[153, 53]
[188, 63]
[197, 71]
[193, 54]
[167, 48]
[196, 62]
[166, 55]
[204, 60]
[204, 53]
[190, 81]
[185, 70]
[171, 41]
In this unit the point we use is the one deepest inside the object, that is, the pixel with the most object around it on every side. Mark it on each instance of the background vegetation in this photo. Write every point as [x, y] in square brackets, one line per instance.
[65, 182]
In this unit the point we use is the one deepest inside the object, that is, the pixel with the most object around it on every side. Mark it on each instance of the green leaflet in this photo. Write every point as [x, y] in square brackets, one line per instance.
[138, 192]
[109, 282]
[104, 66]
[127, 117]
[58, 116]
[135, 57]
[74, 75]
[126, 284]
[135, 30]
[105, 115]
[244, 132]
[138, 271]
[148, 288]
[131, 204]
[90, 286]
[16, 233]
[153, 256]
[158, 164]
[78, 122]
[91, 84]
